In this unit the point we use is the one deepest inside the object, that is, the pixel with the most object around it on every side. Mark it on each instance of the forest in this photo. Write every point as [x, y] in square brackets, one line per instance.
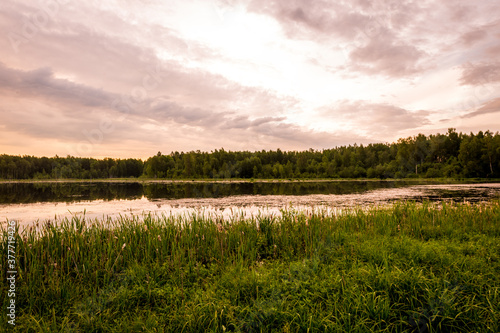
[450, 155]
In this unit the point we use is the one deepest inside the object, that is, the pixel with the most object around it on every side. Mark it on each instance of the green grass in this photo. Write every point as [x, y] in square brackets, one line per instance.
[409, 268]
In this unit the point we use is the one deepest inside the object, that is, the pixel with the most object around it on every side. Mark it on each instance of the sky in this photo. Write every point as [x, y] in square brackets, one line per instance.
[129, 78]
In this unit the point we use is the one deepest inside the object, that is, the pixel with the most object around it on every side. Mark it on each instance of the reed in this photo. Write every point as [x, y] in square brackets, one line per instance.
[410, 267]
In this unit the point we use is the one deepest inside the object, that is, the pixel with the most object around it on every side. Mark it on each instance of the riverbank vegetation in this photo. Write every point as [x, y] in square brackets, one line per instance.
[406, 268]
[454, 155]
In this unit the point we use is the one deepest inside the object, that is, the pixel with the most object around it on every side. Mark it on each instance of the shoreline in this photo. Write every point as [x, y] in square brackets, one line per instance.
[243, 180]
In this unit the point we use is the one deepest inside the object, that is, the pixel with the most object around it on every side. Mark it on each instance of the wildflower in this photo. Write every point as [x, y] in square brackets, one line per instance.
[159, 238]
[123, 246]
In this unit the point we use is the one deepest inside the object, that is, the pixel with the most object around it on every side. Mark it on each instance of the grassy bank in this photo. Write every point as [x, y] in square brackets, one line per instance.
[420, 268]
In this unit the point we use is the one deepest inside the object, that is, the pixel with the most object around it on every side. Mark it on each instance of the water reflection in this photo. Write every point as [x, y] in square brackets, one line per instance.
[98, 200]
[15, 193]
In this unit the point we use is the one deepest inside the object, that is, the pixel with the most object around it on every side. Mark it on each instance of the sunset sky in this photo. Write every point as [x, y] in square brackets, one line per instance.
[131, 78]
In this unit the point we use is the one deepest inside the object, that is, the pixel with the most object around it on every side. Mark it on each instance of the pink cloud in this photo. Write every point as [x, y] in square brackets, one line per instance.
[73, 69]
[474, 36]
[387, 58]
[480, 73]
[379, 118]
[492, 106]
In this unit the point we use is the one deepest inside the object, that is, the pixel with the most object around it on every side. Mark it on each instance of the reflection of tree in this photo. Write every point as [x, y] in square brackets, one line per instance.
[67, 192]
[72, 192]
[218, 190]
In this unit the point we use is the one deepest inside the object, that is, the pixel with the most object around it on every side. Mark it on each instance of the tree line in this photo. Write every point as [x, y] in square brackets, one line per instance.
[455, 155]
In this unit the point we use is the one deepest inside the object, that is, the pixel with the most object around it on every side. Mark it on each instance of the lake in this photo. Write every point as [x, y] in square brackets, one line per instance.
[28, 202]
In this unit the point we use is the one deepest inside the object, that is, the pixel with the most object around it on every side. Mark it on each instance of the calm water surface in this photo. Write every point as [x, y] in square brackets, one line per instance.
[29, 202]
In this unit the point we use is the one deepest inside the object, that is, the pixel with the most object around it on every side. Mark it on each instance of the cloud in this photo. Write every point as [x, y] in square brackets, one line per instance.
[57, 109]
[370, 31]
[386, 57]
[293, 137]
[492, 106]
[175, 75]
[75, 98]
[395, 39]
[243, 122]
[42, 84]
[376, 119]
[474, 36]
[98, 59]
[318, 19]
[480, 73]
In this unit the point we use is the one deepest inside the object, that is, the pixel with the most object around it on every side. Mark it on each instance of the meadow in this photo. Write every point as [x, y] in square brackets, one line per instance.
[410, 267]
